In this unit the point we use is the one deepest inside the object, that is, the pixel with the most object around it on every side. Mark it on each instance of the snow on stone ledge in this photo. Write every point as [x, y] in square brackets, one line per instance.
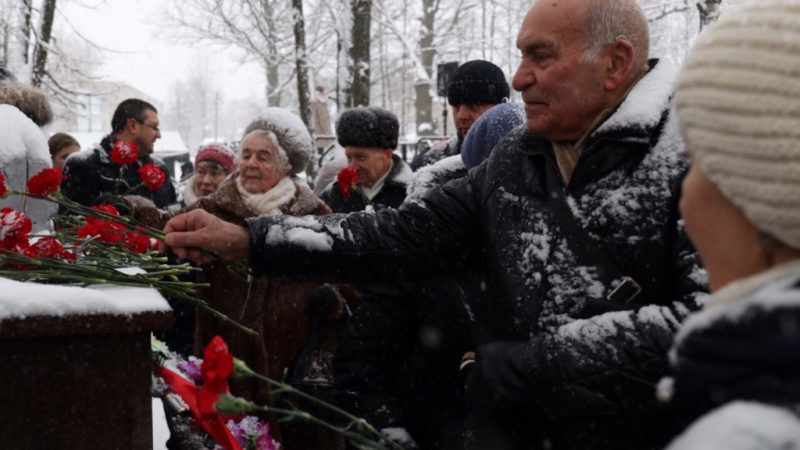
[19, 300]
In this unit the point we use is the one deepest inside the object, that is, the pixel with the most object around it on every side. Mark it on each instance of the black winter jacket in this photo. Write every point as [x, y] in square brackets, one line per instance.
[391, 195]
[89, 175]
[568, 368]
[397, 362]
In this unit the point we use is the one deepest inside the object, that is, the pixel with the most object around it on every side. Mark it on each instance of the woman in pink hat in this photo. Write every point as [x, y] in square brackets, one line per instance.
[213, 163]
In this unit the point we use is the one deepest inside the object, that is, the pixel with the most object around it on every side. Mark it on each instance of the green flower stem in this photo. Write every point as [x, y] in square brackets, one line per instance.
[361, 192]
[58, 271]
[358, 438]
[237, 269]
[366, 433]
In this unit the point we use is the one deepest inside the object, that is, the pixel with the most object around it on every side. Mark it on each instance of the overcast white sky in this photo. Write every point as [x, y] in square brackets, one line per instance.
[146, 56]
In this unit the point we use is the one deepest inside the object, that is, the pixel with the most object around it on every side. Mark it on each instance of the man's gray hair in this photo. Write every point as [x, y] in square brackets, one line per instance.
[609, 21]
[282, 165]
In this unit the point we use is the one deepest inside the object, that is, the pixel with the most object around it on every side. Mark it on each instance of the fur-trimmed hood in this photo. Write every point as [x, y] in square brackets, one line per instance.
[31, 101]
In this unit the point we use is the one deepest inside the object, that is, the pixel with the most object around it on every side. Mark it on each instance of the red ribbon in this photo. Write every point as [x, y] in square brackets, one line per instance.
[212, 423]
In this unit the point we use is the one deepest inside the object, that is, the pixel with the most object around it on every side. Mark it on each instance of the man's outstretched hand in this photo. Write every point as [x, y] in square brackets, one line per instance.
[188, 234]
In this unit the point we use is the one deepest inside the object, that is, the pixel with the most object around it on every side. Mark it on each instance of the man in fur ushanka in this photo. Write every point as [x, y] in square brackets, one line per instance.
[369, 137]
[573, 219]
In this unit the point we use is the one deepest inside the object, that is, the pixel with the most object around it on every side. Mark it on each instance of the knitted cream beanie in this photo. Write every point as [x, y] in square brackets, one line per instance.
[738, 103]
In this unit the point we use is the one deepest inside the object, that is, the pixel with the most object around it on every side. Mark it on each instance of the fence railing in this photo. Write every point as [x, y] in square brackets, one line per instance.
[408, 148]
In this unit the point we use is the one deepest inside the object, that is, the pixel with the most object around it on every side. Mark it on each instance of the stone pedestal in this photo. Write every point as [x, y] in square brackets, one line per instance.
[78, 379]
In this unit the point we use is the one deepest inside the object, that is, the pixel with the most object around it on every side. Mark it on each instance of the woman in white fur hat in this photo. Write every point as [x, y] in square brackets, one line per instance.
[738, 102]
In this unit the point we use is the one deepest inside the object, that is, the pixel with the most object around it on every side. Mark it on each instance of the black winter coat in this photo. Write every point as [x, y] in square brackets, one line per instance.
[397, 362]
[567, 368]
[391, 195]
[89, 177]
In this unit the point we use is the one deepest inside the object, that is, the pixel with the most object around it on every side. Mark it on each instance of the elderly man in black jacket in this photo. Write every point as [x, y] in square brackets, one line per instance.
[91, 177]
[369, 137]
[574, 221]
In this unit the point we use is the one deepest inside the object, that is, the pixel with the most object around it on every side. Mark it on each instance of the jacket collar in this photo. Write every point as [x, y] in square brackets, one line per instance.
[643, 109]
[637, 120]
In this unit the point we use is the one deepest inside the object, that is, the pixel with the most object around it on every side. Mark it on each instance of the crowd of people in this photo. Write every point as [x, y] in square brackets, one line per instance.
[611, 264]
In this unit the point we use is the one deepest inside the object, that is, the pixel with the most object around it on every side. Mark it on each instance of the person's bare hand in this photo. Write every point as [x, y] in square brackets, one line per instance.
[188, 234]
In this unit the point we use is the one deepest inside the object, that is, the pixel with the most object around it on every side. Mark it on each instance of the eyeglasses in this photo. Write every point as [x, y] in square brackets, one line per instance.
[152, 127]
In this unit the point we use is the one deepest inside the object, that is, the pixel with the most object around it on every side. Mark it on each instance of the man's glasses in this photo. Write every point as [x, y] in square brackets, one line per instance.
[152, 127]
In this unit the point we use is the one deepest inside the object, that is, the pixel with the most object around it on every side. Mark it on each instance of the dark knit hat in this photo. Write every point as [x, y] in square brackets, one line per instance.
[217, 153]
[368, 127]
[476, 82]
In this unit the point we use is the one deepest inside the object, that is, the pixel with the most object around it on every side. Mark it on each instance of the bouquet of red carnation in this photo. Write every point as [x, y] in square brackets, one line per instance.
[90, 249]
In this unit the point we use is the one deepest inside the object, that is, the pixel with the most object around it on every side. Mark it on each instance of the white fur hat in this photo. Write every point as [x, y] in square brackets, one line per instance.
[738, 102]
[292, 135]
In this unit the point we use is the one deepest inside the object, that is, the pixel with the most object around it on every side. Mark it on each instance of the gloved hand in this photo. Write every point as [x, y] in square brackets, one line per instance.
[502, 375]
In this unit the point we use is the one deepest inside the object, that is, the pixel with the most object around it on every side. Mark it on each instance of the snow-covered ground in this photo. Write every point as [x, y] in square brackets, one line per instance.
[160, 429]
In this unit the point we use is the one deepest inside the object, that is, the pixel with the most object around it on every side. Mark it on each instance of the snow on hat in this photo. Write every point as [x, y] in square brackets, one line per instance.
[490, 127]
[476, 82]
[292, 135]
[368, 127]
[738, 104]
[217, 153]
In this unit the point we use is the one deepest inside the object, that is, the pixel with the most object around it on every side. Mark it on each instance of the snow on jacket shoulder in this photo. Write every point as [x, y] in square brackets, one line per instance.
[438, 152]
[742, 425]
[590, 365]
[23, 154]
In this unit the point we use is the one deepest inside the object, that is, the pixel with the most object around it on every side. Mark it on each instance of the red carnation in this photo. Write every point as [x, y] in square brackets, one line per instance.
[124, 153]
[2, 185]
[106, 208]
[152, 176]
[215, 370]
[137, 243]
[104, 231]
[347, 177]
[45, 182]
[48, 247]
[14, 229]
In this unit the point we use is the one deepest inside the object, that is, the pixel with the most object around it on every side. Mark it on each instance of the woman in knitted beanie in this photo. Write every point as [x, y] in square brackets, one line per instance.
[738, 103]
[213, 163]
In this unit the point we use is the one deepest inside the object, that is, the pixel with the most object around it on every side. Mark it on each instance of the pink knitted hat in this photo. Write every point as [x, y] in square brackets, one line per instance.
[217, 153]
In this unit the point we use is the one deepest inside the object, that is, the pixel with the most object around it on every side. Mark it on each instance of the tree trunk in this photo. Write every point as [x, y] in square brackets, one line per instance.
[271, 65]
[301, 62]
[424, 102]
[344, 26]
[40, 53]
[709, 12]
[358, 91]
[25, 30]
